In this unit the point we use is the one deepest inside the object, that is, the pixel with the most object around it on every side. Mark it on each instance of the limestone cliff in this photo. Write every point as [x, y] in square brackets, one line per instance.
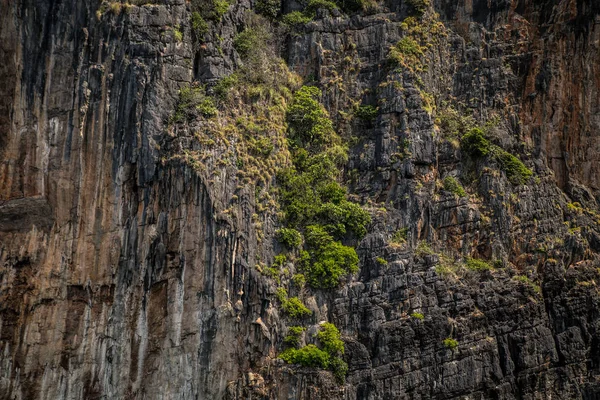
[140, 198]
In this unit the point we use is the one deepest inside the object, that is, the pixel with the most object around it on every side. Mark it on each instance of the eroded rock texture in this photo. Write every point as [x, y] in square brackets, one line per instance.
[126, 272]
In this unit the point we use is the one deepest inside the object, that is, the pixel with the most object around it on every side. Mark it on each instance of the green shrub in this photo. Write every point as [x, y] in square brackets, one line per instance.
[222, 88]
[381, 261]
[307, 356]
[400, 236]
[296, 18]
[177, 34]
[367, 113]
[207, 108]
[328, 260]
[406, 53]
[191, 101]
[279, 260]
[199, 25]
[419, 6]
[308, 121]
[314, 5]
[299, 280]
[423, 249]
[220, 8]
[330, 339]
[289, 237]
[293, 337]
[475, 144]
[417, 315]
[249, 41]
[475, 264]
[339, 368]
[211, 9]
[268, 8]
[293, 306]
[450, 343]
[452, 185]
[516, 172]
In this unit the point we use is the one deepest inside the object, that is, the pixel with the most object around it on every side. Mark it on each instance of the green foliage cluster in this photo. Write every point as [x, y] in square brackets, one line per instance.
[450, 343]
[268, 8]
[192, 101]
[293, 337]
[307, 356]
[406, 53]
[452, 185]
[309, 122]
[381, 261]
[290, 237]
[516, 172]
[424, 249]
[293, 306]
[199, 25]
[417, 315]
[177, 34]
[367, 113]
[326, 260]
[328, 355]
[475, 144]
[296, 18]
[475, 264]
[312, 200]
[211, 9]
[400, 236]
[250, 40]
[419, 6]
[453, 123]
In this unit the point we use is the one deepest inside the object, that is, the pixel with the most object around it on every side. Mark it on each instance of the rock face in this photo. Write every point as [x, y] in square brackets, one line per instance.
[127, 271]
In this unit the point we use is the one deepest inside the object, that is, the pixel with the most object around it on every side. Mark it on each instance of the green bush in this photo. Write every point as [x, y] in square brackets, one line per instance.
[293, 337]
[423, 249]
[417, 315]
[308, 121]
[330, 339]
[307, 356]
[450, 343]
[367, 113]
[199, 25]
[211, 9]
[191, 101]
[327, 260]
[339, 368]
[296, 18]
[452, 185]
[268, 8]
[475, 264]
[207, 108]
[222, 88]
[475, 144]
[381, 261]
[400, 236]
[516, 172]
[407, 53]
[289, 237]
[249, 41]
[419, 6]
[295, 308]
[314, 5]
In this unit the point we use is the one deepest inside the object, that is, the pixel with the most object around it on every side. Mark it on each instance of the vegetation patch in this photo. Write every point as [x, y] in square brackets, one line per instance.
[450, 343]
[417, 315]
[475, 264]
[293, 306]
[326, 356]
[452, 185]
